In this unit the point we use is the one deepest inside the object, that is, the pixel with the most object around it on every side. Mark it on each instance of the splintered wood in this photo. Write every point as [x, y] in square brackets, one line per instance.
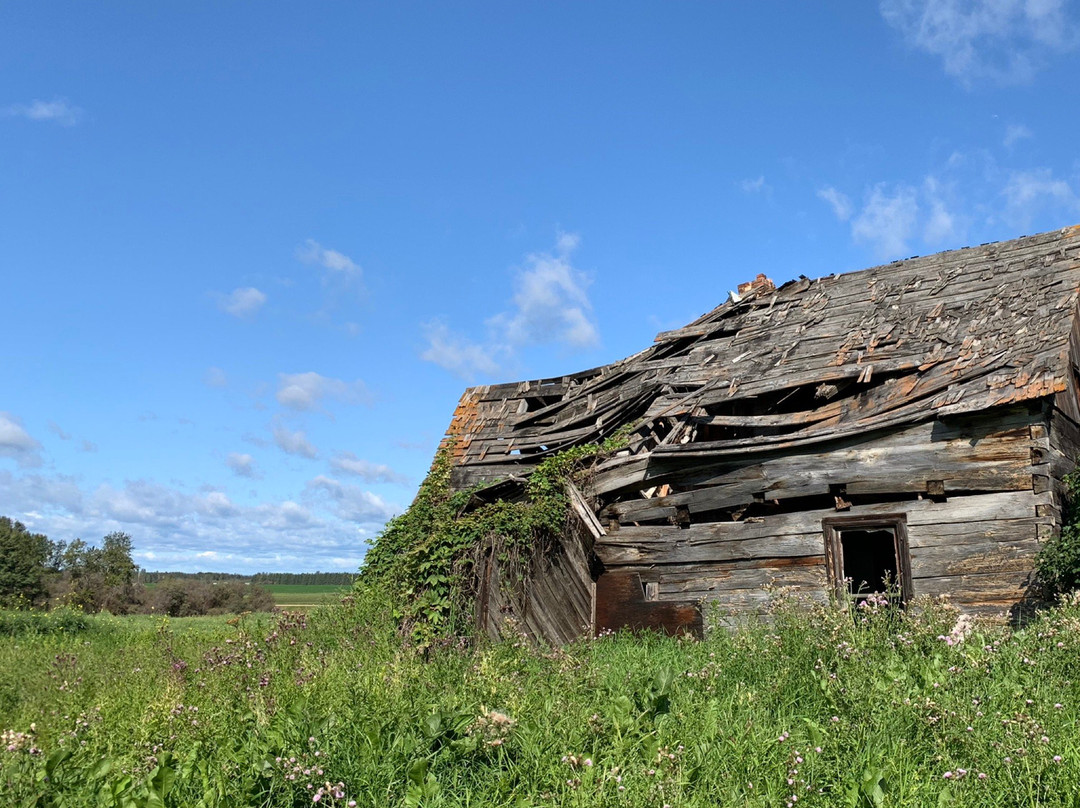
[943, 388]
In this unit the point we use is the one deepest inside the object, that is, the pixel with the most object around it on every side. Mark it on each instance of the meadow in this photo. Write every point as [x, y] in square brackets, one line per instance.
[812, 707]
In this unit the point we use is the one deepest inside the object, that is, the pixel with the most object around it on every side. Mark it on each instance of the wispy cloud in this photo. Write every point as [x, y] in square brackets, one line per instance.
[756, 186]
[969, 195]
[56, 430]
[550, 306]
[306, 391]
[460, 355]
[242, 465]
[349, 463]
[838, 201]
[1014, 133]
[312, 252]
[16, 443]
[59, 111]
[294, 443]
[887, 220]
[1006, 41]
[324, 526]
[942, 225]
[1029, 193]
[215, 377]
[352, 503]
[243, 302]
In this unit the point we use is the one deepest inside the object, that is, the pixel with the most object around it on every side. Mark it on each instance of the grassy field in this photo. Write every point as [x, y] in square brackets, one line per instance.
[815, 708]
[305, 596]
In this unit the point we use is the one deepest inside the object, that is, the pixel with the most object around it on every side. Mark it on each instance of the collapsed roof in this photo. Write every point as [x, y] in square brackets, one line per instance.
[811, 361]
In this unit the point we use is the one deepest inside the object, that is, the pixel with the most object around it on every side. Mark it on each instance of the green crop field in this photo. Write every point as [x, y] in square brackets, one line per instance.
[304, 596]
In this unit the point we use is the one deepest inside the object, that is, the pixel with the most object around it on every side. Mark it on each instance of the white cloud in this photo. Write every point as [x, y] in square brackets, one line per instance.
[179, 530]
[312, 252]
[756, 186]
[305, 391]
[349, 463]
[352, 503]
[942, 226]
[1004, 40]
[1016, 132]
[294, 443]
[56, 430]
[243, 302]
[460, 355]
[838, 201]
[16, 442]
[59, 110]
[551, 303]
[969, 198]
[287, 515]
[1029, 193]
[887, 220]
[242, 465]
[215, 377]
[40, 493]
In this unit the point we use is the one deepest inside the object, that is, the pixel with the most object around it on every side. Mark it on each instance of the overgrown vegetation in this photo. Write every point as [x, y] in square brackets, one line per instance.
[1058, 567]
[887, 709]
[424, 560]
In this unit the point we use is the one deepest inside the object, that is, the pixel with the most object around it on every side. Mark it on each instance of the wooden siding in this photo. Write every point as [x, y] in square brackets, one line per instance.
[943, 391]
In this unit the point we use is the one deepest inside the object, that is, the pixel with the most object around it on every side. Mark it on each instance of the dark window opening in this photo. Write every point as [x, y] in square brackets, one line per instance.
[868, 556]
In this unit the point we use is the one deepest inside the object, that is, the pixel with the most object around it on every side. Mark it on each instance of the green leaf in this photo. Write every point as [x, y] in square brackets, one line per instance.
[55, 760]
[418, 771]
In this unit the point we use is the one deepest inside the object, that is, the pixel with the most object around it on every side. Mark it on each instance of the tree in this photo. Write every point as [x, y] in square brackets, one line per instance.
[23, 559]
[116, 563]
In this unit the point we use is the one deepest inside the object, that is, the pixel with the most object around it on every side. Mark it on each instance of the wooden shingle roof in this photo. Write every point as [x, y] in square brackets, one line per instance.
[814, 360]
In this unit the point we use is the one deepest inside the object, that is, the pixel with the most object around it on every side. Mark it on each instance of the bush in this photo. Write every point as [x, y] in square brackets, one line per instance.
[187, 597]
[1058, 566]
[57, 621]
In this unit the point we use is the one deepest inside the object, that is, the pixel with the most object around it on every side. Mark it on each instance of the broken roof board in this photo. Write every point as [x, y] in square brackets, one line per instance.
[950, 333]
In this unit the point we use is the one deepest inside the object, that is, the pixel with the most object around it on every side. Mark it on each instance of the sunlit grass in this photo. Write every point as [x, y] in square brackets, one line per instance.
[876, 710]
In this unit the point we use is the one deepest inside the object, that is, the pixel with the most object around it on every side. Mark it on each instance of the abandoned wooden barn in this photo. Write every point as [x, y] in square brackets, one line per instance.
[910, 422]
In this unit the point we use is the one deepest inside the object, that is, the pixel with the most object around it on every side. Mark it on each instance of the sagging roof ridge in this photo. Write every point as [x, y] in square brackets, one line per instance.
[666, 376]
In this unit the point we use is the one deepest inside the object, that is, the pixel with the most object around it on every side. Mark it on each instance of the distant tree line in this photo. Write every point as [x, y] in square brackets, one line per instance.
[304, 578]
[36, 572]
[259, 578]
[148, 577]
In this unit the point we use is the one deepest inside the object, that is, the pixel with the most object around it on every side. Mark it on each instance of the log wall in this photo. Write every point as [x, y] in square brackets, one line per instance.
[975, 492]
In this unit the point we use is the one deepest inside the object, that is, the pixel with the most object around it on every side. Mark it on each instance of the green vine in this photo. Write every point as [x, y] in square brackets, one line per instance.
[1058, 565]
[426, 559]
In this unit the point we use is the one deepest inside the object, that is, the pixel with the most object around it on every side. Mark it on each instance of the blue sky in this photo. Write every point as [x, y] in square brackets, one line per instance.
[252, 253]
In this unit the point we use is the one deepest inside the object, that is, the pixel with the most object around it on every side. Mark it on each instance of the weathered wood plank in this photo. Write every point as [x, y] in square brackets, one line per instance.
[959, 510]
[615, 550]
[974, 558]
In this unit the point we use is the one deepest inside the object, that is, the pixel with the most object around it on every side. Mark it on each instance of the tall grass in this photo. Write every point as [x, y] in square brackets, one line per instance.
[815, 707]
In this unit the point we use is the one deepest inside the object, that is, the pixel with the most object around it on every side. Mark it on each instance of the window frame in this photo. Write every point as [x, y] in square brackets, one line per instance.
[833, 526]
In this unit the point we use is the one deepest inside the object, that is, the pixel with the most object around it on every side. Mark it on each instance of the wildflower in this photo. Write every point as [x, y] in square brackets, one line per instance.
[1057, 758]
[948, 775]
